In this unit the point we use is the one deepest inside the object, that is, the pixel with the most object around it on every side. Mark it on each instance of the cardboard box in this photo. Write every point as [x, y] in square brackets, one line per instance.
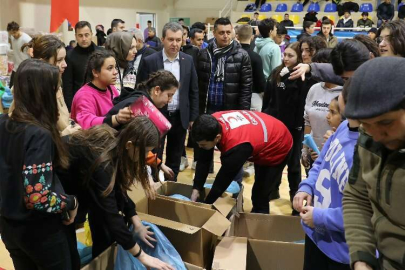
[261, 242]
[105, 261]
[193, 230]
[226, 205]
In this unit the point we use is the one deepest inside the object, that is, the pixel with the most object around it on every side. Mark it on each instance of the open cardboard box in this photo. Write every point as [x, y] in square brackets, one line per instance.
[225, 204]
[261, 242]
[193, 230]
[106, 261]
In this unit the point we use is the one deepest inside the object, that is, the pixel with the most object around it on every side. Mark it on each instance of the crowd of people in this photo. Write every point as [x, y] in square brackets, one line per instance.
[71, 147]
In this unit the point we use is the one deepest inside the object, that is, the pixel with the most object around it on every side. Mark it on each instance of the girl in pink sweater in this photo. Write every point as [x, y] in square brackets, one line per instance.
[93, 101]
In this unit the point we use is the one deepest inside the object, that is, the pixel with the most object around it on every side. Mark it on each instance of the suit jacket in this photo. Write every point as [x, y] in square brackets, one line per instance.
[188, 83]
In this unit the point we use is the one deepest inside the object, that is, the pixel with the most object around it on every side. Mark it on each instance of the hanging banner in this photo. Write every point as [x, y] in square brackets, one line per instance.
[62, 10]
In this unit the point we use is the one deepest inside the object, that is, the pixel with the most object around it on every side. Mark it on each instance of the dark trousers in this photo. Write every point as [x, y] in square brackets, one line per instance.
[37, 245]
[257, 2]
[175, 143]
[265, 181]
[12, 79]
[293, 163]
[315, 259]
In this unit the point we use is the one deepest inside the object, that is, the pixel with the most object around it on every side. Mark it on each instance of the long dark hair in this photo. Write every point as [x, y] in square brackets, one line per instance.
[162, 78]
[348, 55]
[275, 77]
[108, 146]
[35, 86]
[96, 62]
[397, 36]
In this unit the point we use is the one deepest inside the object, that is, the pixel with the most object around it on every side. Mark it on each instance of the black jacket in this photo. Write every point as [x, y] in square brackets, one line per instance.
[126, 99]
[385, 11]
[348, 24]
[258, 83]
[108, 215]
[285, 100]
[238, 78]
[188, 83]
[287, 23]
[302, 36]
[192, 51]
[73, 77]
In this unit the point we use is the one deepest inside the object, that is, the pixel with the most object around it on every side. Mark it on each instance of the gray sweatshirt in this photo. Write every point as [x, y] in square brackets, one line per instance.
[316, 109]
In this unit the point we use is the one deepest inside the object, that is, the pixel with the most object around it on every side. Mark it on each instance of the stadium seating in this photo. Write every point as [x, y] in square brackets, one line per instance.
[281, 8]
[314, 7]
[366, 7]
[298, 7]
[330, 7]
[265, 8]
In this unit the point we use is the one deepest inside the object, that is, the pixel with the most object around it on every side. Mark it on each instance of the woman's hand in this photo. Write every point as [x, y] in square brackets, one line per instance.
[169, 174]
[124, 116]
[151, 262]
[144, 234]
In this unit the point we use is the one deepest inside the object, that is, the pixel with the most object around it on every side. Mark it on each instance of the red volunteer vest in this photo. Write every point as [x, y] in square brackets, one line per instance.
[269, 137]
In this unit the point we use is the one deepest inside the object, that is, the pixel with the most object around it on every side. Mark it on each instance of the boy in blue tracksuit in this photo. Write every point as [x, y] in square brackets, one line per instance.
[322, 218]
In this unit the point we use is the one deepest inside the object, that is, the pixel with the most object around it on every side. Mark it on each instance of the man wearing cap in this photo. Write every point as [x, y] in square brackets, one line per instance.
[374, 198]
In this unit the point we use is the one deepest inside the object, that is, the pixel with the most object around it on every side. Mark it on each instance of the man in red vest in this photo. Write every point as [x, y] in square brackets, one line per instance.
[241, 136]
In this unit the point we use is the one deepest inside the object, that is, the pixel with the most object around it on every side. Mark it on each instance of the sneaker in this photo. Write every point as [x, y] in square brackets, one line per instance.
[194, 165]
[184, 164]
[248, 171]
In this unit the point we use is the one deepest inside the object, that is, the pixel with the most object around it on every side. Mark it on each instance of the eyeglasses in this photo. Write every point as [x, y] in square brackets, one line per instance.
[386, 38]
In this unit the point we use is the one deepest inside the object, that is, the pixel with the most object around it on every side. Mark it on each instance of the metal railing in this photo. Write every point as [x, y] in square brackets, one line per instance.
[226, 11]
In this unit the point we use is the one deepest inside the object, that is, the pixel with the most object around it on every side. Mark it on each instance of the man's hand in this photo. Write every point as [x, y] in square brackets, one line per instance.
[300, 71]
[299, 198]
[314, 155]
[195, 195]
[329, 133]
[362, 266]
[307, 216]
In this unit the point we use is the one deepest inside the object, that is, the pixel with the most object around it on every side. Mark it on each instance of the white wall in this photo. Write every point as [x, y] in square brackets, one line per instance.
[36, 13]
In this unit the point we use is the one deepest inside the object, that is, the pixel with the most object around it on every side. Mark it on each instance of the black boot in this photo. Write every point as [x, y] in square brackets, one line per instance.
[294, 212]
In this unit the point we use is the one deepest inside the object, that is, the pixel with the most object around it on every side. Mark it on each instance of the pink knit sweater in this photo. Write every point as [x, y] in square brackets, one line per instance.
[90, 105]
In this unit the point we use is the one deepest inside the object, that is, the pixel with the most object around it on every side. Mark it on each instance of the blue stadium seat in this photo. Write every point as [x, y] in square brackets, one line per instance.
[265, 8]
[314, 7]
[400, 5]
[281, 8]
[330, 7]
[298, 7]
[250, 7]
[366, 7]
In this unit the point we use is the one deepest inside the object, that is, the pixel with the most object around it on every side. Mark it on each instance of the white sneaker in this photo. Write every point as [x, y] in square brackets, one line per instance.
[184, 164]
[194, 165]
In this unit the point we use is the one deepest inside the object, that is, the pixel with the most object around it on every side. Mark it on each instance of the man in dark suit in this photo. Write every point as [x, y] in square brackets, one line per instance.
[183, 108]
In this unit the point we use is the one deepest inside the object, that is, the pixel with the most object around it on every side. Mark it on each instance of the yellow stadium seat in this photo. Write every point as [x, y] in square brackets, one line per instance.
[295, 19]
[278, 18]
[262, 17]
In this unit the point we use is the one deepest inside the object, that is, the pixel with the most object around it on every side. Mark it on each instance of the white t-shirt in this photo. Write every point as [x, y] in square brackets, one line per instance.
[19, 56]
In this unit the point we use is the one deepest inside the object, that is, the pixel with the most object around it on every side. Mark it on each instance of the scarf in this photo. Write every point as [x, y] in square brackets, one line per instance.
[120, 44]
[220, 55]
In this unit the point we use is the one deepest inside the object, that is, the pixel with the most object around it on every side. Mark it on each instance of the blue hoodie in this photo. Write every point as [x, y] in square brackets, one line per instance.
[326, 182]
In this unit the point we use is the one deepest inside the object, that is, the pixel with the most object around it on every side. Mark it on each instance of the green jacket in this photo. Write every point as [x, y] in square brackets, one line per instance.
[270, 53]
[373, 205]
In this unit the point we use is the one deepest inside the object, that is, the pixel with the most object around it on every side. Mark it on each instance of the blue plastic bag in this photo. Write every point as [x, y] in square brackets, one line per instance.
[7, 98]
[180, 197]
[163, 250]
[84, 253]
[233, 187]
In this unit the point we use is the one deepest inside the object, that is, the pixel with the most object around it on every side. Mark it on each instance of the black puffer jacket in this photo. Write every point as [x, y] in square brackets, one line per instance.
[237, 81]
